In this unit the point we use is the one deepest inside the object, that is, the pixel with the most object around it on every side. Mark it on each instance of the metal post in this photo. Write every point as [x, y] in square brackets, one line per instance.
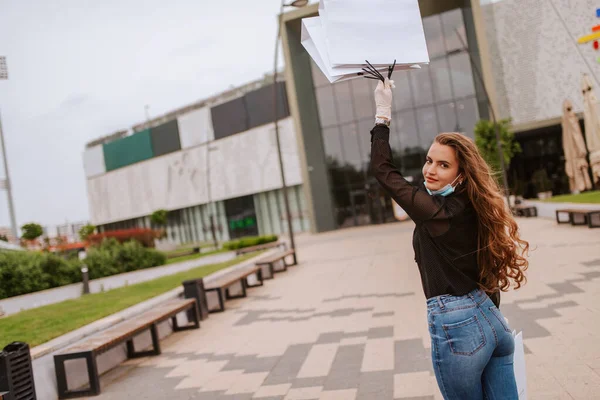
[210, 204]
[85, 278]
[11, 206]
[276, 118]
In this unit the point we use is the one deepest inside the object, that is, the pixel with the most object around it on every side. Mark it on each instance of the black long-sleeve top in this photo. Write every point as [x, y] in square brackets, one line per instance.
[445, 239]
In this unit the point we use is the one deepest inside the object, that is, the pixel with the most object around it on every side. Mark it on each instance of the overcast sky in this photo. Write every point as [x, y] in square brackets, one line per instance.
[81, 69]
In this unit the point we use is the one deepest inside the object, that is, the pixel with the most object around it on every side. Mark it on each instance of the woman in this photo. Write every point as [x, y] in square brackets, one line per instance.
[466, 245]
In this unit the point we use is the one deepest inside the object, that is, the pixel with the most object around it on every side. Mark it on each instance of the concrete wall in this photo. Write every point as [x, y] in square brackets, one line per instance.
[535, 58]
[242, 164]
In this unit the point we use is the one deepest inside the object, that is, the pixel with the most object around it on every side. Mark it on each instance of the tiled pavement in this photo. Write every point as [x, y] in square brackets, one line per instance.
[349, 322]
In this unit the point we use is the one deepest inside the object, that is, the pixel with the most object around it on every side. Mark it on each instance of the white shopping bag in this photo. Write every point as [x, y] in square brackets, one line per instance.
[376, 30]
[519, 366]
[314, 41]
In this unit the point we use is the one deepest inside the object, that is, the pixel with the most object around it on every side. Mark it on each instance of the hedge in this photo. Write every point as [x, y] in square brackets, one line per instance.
[111, 258]
[145, 236]
[25, 272]
[249, 241]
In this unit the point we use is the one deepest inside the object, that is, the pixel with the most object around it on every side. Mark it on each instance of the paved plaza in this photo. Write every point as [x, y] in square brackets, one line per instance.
[349, 322]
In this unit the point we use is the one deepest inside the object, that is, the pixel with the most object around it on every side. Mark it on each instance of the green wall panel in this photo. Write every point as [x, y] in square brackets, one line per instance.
[129, 150]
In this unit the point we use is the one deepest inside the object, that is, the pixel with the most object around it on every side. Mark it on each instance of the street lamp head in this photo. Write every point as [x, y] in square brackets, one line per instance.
[297, 3]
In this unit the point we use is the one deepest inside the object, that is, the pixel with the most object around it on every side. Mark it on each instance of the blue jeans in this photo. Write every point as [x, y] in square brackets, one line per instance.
[471, 347]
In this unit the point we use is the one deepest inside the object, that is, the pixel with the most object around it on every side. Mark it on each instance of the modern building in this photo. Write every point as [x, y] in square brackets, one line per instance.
[70, 231]
[216, 158]
[219, 157]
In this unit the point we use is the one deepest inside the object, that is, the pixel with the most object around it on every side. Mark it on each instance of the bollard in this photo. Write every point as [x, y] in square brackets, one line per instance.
[194, 289]
[16, 373]
[85, 278]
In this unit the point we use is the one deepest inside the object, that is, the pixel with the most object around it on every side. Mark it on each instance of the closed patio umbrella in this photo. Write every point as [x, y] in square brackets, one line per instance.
[591, 115]
[576, 164]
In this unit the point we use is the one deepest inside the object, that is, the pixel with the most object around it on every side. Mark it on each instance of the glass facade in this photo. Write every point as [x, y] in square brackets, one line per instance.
[241, 217]
[438, 98]
[542, 150]
[258, 214]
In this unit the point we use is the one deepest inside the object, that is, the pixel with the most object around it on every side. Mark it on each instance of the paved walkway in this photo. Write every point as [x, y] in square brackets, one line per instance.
[349, 322]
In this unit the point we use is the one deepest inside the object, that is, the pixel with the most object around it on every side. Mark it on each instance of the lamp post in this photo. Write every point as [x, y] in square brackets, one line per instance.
[297, 4]
[7, 185]
[210, 204]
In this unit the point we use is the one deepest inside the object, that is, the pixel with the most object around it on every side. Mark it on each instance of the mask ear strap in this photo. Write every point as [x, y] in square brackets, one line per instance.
[459, 178]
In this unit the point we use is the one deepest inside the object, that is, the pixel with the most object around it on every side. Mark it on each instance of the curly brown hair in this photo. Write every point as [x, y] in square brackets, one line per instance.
[502, 252]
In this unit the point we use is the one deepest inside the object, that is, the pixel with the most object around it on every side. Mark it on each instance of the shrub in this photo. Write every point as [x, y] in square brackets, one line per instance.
[249, 241]
[25, 272]
[111, 258]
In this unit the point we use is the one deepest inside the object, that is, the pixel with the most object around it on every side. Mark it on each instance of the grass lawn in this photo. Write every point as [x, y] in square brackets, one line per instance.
[39, 325]
[587, 197]
[193, 256]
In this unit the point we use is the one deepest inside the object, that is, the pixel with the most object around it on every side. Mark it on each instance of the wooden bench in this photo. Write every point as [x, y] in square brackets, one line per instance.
[100, 343]
[579, 217]
[222, 284]
[276, 259]
[524, 211]
[259, 247]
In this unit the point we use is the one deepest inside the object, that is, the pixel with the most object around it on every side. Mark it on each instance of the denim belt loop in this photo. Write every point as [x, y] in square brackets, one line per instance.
[472, 297]
[440, 303]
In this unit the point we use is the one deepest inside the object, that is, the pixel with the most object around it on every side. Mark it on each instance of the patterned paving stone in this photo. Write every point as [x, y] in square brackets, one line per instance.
[349, 323]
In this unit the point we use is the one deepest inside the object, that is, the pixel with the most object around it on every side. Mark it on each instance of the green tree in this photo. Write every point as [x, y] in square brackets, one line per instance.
[3, 238]
[159, 217]
[86, 231]
[485, 139]
[31, 231]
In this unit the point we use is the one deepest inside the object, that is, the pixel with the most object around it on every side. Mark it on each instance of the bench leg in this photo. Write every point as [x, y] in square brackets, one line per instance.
[221, 297]
[193, 316]
[558, 221]
[295, 262]
[284, 266]
[61, 375]
[591, 223]
[131, 353]
[239, 296]
[259, 277]
[269, 271]
[579, 219]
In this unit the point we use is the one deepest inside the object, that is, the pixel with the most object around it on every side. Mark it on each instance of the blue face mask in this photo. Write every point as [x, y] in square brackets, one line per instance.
[445, 191]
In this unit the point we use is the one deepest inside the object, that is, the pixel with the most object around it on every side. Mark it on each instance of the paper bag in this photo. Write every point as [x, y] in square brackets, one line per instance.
[519, 366]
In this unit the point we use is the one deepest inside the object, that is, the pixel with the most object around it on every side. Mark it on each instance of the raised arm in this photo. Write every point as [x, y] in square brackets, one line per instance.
[418, 204]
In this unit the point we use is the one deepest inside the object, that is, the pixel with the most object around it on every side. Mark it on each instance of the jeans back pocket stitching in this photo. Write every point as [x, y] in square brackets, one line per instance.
[467, 322]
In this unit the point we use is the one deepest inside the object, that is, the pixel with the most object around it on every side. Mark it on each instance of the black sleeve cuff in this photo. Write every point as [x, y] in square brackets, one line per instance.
[380, 132]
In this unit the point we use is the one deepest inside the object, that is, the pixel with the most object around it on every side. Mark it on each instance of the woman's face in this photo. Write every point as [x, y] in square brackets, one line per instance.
[441, 166]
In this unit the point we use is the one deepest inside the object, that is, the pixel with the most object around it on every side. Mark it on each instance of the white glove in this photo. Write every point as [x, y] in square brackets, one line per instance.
[383, 99]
